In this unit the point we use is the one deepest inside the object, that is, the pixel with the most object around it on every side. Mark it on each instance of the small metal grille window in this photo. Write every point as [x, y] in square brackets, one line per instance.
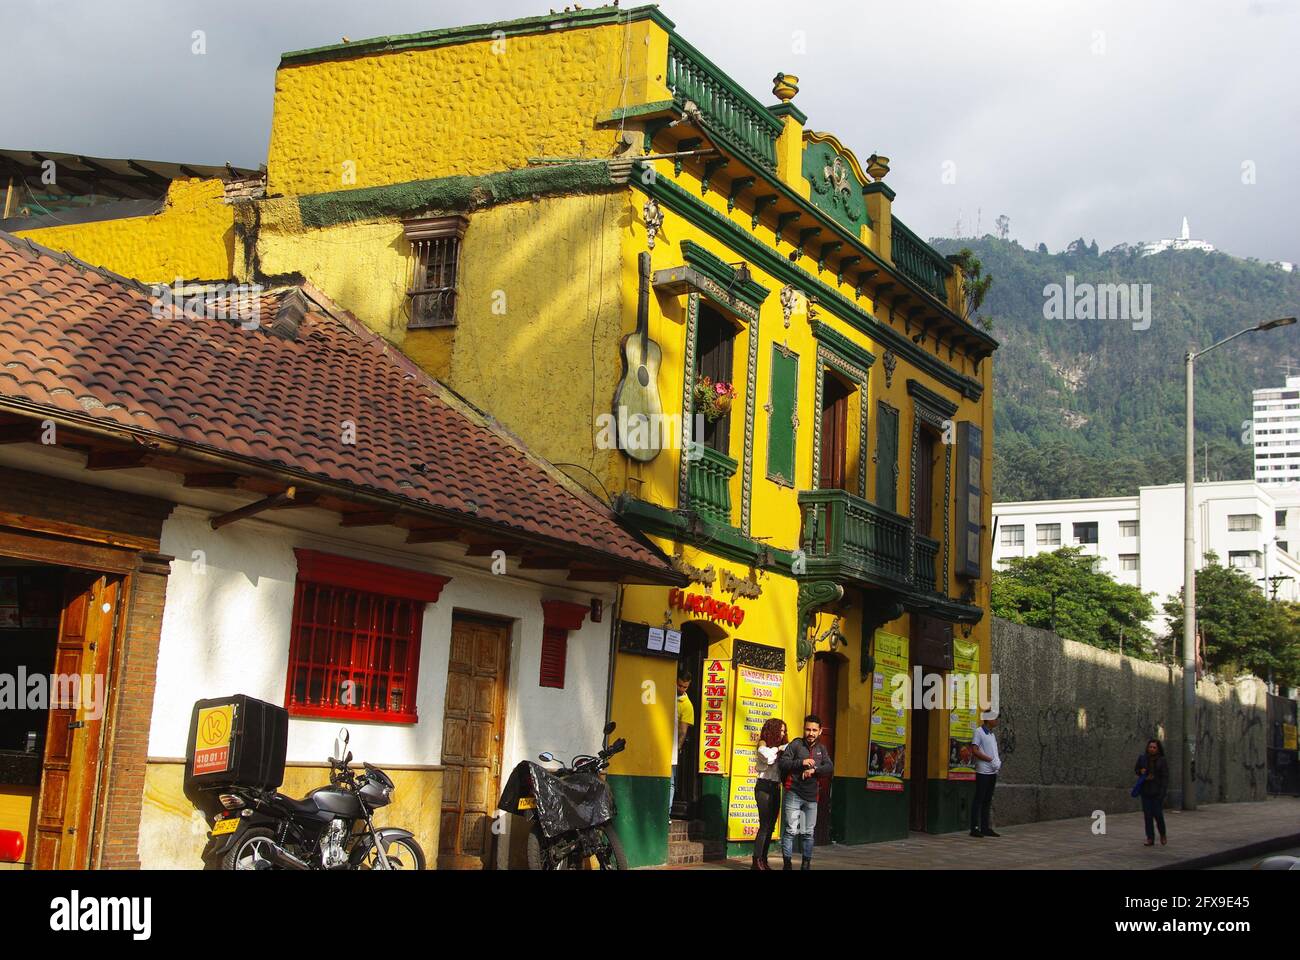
[353, 654]
[435, 245]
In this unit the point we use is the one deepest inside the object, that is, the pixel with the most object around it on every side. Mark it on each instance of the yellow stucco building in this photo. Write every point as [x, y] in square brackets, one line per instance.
[572, 220]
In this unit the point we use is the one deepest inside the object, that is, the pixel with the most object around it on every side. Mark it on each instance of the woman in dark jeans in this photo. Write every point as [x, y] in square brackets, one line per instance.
[1154, 788]
[767, 787]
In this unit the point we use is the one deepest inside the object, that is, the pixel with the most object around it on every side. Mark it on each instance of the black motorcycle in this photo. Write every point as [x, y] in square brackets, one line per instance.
[572, 811]
[330, 829]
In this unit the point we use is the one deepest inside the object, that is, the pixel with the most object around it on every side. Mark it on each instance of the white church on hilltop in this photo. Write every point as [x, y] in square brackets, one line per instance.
[1182, 242]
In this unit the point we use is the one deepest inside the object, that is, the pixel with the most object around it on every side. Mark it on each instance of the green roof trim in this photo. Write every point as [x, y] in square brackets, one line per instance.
[449, 36]
[453, 193]
[788, 109]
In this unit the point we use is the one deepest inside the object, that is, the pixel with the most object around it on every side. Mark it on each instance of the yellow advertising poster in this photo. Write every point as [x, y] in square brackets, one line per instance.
[887, 736]
[714, 742]
[212, 739]
[963, 686]
[758, 699]
[1288, 736]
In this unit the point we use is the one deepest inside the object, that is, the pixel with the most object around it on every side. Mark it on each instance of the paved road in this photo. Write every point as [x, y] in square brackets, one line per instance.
[1205, 837]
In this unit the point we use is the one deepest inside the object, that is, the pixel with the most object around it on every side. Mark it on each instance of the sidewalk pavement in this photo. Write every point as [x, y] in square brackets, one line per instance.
[1213, 834]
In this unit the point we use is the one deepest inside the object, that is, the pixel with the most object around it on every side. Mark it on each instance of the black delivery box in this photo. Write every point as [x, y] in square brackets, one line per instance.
[235, 741]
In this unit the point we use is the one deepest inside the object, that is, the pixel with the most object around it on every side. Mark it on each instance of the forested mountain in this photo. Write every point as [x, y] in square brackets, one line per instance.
[1088, 407]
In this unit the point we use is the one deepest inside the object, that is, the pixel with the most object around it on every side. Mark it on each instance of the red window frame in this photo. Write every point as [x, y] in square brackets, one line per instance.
[356, 621]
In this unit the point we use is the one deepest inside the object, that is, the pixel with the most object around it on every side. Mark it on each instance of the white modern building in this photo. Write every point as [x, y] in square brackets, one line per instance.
[1183, 241]
[1275, 429]
[1139, 540]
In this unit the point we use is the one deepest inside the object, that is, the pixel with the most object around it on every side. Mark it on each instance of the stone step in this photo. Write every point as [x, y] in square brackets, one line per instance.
[681, 852]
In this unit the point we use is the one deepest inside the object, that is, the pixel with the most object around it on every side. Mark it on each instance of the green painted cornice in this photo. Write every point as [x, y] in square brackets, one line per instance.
[836, 342]
[927, 397]
[480, 31]
[723, 274]
[879, 186]
[721, 541]
[747, 245]
[454, 193]
[788, 109]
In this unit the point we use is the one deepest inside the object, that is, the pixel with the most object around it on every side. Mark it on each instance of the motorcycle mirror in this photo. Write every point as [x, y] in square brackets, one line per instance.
[341, 742]
[609, 727]
[545, 757]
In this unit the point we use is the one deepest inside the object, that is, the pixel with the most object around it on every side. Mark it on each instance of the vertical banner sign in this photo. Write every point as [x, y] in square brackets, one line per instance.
[714, 743]
[887, 735]
[964, 701]
[758, 699]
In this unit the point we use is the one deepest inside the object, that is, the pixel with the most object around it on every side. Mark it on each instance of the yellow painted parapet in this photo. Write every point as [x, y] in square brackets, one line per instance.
[191, 238]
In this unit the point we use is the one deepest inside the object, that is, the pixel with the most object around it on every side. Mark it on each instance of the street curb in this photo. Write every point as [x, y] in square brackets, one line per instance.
[1232, 854]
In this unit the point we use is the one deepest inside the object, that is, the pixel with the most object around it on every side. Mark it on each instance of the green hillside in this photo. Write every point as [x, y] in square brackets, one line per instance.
[1094, 407]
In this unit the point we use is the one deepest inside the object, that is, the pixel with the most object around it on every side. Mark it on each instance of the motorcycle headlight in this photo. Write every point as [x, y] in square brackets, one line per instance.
[388, 792]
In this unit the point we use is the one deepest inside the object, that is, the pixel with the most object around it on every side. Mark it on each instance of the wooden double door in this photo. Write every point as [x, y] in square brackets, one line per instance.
[473, 731]
[71, 765]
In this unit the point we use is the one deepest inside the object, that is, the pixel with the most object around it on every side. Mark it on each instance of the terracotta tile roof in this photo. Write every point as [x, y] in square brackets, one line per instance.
[85, 342]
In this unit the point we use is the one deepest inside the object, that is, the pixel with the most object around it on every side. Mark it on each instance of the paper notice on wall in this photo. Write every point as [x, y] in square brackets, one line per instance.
[673, 641]
[655, 638]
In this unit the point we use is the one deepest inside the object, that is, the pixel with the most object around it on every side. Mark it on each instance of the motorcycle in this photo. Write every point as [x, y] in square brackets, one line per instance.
[329, 829]
[571, 811]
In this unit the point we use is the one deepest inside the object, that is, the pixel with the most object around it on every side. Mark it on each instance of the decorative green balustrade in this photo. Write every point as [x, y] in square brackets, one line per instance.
[709, 485]
[739, 120]
[919, 261]
[927, 557]
[846, 536]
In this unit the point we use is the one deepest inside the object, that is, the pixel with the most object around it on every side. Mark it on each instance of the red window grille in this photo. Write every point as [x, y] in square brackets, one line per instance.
[354, 647]
[555, 651]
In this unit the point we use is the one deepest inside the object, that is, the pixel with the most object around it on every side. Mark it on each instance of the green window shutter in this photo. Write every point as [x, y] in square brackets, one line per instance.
[969, 505]
[887, 458]
[783, 404]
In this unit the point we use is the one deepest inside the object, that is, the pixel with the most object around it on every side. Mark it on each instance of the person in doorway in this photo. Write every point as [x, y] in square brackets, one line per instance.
[1153, 768]
[683, 720]
[772, 741]
[801, 764]
[987, 765]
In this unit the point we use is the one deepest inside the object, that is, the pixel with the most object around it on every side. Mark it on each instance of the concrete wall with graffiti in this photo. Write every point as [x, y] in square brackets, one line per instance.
[1074, 719]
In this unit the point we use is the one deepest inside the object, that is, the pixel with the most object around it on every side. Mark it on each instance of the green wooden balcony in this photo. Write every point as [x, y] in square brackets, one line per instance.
[708, 485]
[919, 261]
[741, 122]
[850, 539]
[927, 558]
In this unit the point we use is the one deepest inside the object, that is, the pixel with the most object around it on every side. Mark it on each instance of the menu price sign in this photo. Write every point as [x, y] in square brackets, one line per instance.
[963, 684]
[758, 699]
[887, 733]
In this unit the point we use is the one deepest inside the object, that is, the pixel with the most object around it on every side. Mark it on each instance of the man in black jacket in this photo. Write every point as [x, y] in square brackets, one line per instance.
[801, 764]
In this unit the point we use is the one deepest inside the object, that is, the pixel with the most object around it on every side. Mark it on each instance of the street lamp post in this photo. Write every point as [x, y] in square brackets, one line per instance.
[1189, 567]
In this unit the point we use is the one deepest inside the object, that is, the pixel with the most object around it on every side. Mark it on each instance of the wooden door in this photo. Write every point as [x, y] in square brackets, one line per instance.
[925, 457]
[473, 726]
[918, 772]
[73, 737]
[826, 684]
[835, 434]
[887, 458]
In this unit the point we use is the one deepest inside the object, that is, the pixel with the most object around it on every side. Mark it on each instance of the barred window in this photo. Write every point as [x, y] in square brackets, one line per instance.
[436, 245]
[354, 646]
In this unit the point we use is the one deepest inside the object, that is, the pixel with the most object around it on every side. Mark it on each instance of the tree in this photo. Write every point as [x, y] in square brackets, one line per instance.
[1242, 631]
[976, 286]
[1004, 226]
[1060, 591]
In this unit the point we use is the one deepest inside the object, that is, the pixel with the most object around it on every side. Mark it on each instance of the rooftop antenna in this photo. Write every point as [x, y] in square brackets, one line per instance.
[1286, 363]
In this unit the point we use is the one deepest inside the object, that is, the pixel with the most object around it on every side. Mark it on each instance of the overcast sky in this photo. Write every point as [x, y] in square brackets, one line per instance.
[1107, 120]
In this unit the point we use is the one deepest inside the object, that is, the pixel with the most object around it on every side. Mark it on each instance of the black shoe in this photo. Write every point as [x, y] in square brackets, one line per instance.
[806, 864]
[976, 833]
[787, 866]
[989, 833]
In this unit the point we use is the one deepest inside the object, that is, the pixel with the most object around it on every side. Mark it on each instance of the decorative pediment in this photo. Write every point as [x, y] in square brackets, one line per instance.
[836, 180]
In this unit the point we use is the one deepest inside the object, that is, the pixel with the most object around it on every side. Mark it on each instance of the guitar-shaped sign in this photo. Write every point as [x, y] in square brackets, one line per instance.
[637, 409]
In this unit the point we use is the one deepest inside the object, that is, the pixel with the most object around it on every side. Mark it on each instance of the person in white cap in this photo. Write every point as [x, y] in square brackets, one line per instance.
[987, 765]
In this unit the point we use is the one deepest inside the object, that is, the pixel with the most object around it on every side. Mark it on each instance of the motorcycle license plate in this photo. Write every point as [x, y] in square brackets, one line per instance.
[527, 803]
[222, 827]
